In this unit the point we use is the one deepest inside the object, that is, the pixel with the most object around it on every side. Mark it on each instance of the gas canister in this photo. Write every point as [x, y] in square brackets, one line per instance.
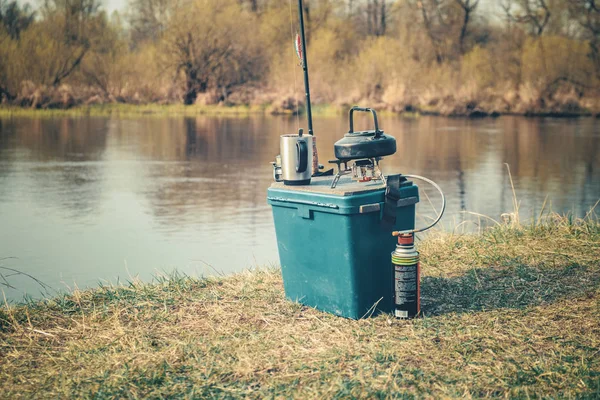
[407, 286]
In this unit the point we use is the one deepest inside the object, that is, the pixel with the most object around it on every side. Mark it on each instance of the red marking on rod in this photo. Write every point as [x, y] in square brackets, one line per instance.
[299, 50]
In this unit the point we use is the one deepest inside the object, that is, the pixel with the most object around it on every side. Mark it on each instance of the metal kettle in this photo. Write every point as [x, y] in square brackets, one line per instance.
[365, 144]
[296, 158]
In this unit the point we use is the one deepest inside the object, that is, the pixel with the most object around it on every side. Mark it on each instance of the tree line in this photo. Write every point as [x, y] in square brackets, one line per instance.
[434, 55]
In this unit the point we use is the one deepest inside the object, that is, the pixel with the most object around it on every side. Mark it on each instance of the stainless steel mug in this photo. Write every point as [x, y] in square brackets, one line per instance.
[296, 159]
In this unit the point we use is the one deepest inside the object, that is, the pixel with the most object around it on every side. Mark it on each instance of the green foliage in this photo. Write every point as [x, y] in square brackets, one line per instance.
[42, 55]
[549, 58]
[377, 60]
[102, 67]
[477, 66]
[52, 49]
[209, 43]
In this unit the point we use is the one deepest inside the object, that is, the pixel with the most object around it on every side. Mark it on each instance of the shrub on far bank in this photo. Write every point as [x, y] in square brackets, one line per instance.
[402, 56]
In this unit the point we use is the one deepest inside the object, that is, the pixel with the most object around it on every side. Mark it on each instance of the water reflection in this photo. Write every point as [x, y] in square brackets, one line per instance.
[60, 159]
[7, 139]
[210, 175]
[95, 198]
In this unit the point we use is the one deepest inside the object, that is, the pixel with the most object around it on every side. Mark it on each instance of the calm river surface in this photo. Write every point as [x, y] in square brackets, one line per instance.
[85, 201]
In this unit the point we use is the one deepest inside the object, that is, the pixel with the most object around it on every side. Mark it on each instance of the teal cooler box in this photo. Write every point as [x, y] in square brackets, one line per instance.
[335, 252]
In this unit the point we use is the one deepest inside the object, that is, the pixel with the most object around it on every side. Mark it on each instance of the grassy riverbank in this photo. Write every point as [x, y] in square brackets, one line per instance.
[512, 312]
[319, 110]
[131, 110]
[160, 110]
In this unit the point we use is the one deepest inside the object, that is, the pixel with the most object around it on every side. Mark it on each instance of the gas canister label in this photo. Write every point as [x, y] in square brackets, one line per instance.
[401, 300]
[406, 286]
[406, 268]
[400, 276]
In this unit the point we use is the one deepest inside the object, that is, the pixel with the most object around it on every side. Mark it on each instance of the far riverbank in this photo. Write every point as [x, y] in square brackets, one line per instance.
[319, 110]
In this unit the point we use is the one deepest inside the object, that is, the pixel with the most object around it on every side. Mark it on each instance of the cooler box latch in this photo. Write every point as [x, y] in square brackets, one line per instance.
[394, 199]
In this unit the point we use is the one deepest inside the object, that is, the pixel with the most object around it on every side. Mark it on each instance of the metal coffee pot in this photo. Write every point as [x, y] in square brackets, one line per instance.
[296, 158]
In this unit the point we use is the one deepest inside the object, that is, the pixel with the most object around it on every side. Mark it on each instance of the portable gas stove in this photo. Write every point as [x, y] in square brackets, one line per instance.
[365, 149]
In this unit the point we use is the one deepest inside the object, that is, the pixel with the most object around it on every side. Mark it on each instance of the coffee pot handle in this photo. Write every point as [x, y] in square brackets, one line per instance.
[302, 156]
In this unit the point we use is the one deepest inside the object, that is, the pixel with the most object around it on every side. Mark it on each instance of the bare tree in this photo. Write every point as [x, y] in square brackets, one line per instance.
[533, 13]
[209, 43]
[100, 67]
[373, 15]
[468, 7]
[14, 18]
[317, 14]
[377, 17]
[436, 24]
[72, 23]
[252, 3]
[4, 81]
[258, 6]
[511, 44]
[587, 14]
[148, 18]
[507, 8]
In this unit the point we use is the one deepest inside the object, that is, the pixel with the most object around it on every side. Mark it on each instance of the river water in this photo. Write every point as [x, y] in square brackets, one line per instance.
[88, 201]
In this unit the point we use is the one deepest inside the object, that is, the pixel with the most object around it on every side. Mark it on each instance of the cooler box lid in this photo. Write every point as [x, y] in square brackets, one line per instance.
[348, 197]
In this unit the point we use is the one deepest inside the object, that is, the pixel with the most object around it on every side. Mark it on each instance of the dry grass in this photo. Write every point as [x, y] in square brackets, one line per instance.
[512, 312]
[161, 111]
[131, 110]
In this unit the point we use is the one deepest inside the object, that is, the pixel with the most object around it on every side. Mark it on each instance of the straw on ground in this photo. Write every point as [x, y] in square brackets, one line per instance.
[512, 312]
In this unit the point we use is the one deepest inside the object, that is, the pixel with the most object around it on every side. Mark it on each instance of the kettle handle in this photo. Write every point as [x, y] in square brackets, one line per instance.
[365, 109]
[302, 156]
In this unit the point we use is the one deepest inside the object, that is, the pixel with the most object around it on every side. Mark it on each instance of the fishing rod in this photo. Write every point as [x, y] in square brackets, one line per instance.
[301, 49]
